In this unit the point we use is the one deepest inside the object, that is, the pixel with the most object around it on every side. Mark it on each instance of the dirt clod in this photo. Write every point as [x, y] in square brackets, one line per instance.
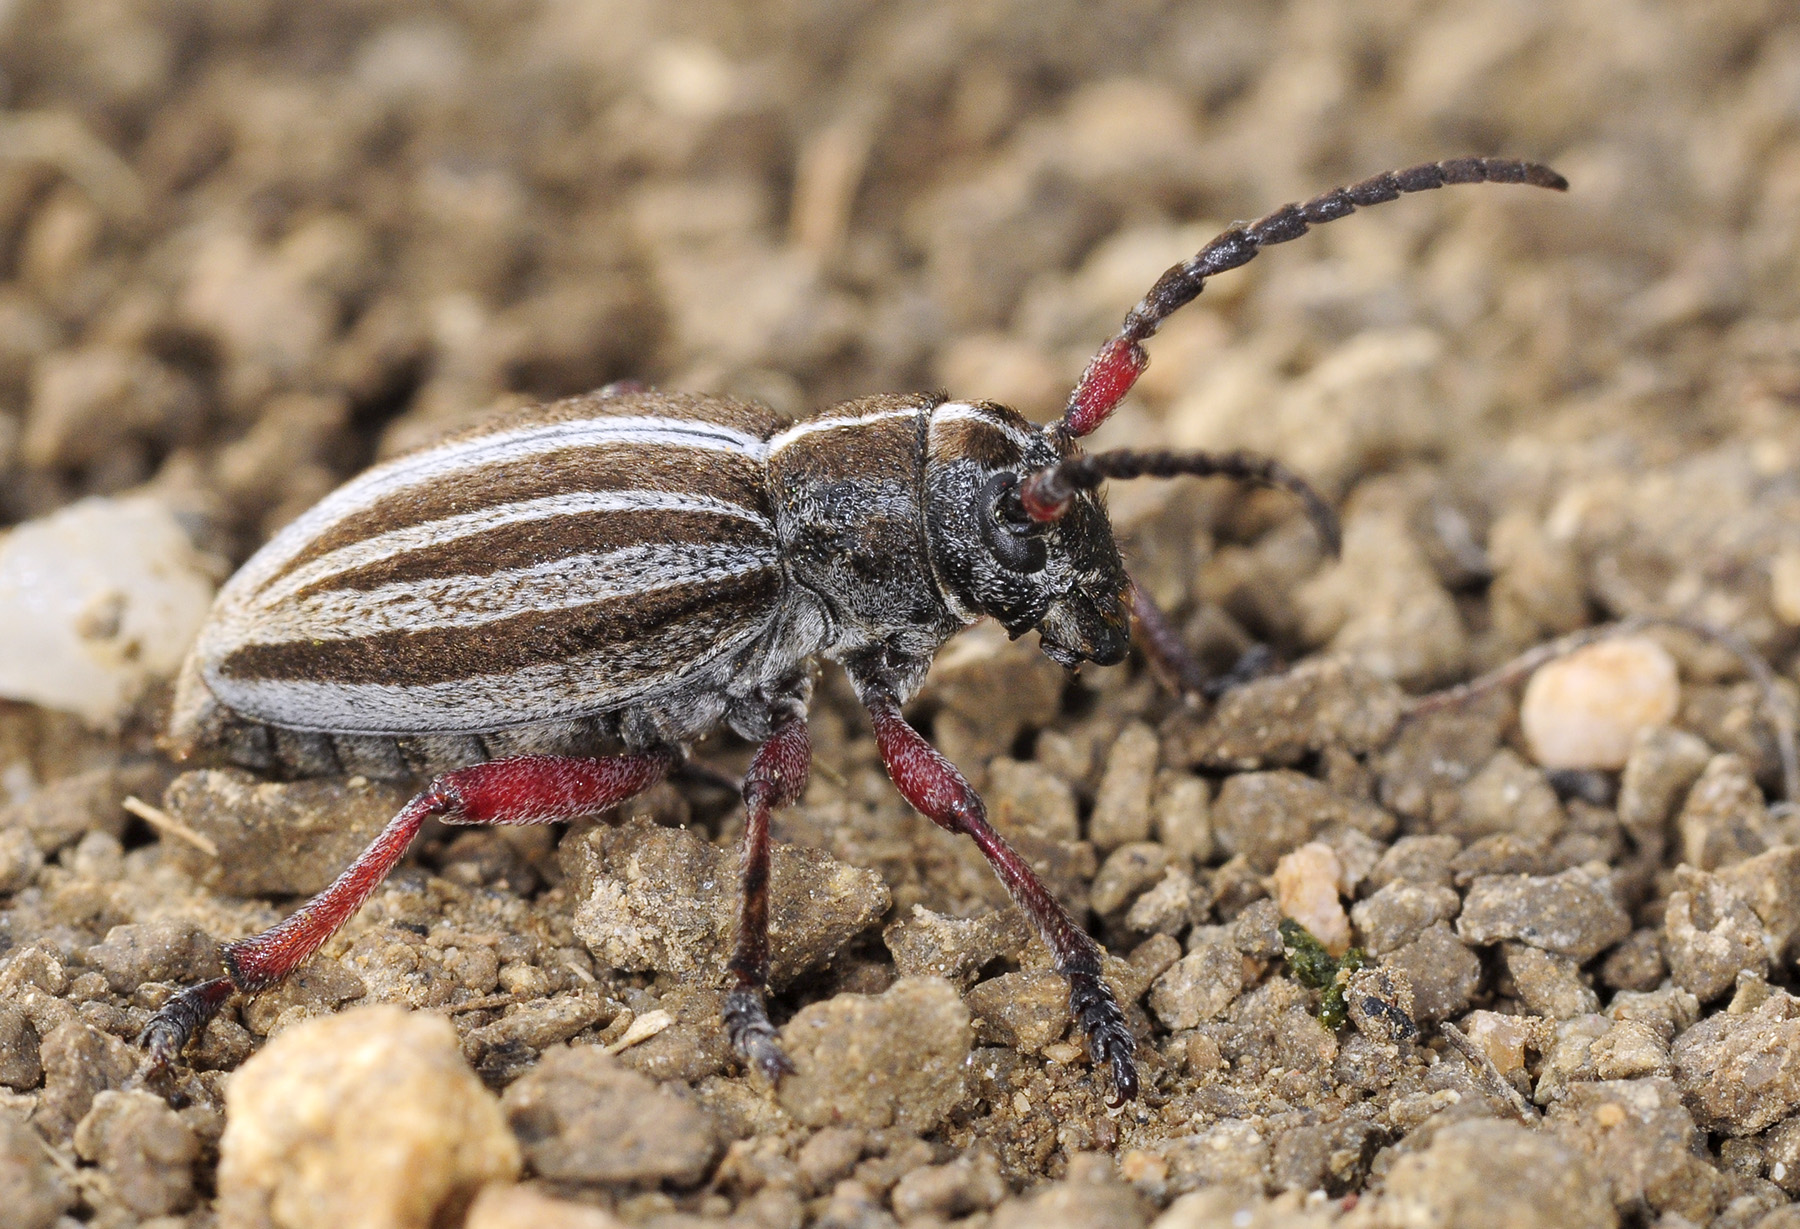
[368, 1117]
[894, 1059]
[582, 1116]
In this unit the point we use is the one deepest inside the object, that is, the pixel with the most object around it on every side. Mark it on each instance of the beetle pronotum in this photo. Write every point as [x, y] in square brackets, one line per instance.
[634, 569]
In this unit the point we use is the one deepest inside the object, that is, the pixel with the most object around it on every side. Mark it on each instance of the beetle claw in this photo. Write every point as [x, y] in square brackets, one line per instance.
[753, 1036]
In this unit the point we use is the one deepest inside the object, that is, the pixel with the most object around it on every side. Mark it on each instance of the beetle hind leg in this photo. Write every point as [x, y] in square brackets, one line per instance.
[526, 789]
[776, 778]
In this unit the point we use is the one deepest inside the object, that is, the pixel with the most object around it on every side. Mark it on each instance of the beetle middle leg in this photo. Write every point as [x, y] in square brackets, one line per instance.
[525, 789]
[932, 784]
[776, 778]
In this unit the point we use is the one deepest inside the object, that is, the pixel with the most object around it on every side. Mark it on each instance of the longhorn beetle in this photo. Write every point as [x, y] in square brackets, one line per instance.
[632, 569]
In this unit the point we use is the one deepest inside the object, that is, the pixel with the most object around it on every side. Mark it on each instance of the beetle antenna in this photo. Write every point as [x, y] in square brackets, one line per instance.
[1111, 372]
[1046, 494]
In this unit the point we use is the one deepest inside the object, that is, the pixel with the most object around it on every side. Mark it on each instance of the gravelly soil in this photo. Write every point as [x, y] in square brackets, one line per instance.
[247, 247]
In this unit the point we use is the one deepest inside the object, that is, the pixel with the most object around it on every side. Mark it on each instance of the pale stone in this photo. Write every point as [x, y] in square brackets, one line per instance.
[1584, 710]
[368, 1118]
[508, 1206]
[1784, 586]
[96, 601]
[1306, 887]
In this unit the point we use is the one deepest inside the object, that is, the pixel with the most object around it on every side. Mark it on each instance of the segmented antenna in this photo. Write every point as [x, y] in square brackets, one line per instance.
[1112, 371]
[1045, 493]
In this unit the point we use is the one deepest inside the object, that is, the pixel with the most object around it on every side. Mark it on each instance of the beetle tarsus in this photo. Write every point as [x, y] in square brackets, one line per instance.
[753, 1036]
[1110, 1043]
[176, 1021]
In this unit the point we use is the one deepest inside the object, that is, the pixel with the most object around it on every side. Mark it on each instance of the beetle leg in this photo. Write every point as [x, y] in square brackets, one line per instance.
[526, 789]
[1169, 659]
[937, 790]
[776, 778]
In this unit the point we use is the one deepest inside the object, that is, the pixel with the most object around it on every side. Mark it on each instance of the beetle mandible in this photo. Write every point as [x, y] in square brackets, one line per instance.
[634, 569]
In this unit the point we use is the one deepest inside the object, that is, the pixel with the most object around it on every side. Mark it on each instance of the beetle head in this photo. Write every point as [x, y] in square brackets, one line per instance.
[1063, 576]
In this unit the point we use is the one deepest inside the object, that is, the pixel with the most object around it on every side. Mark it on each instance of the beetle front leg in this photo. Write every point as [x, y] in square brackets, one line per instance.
[938, 791]
[527, 789]
[776, 778]
[1169, 659]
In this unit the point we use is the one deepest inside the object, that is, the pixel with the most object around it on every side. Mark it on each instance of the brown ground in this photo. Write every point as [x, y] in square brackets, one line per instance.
[248, 247]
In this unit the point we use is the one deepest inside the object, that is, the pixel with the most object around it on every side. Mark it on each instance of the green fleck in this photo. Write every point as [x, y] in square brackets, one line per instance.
[1317, 969]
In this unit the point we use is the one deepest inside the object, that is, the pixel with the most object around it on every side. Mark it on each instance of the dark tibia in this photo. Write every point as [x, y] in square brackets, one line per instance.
[528, 789]
[938, 791]
[1112, 372]
[776, 778]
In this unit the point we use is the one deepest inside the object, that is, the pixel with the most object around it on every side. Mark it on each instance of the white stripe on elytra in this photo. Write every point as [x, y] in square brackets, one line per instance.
[448, 529]
[576, 687]
[814, 425]
[472, 601]
[519, 444]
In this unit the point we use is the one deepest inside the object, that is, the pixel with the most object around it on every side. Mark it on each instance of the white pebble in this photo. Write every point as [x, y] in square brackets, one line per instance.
[1583, 710]
[1306, 888]
[368, 1118]
[96, 600]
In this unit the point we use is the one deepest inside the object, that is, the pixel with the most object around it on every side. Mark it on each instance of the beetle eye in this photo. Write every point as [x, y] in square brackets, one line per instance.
[1016, 540]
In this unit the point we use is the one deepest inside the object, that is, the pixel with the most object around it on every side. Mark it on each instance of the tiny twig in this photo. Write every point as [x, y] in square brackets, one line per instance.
[1787, 742]
[640, 1030]
[1489, 1075]
[168, 825]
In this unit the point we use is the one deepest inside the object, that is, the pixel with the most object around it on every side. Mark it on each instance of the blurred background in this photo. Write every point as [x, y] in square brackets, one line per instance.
[246, 247]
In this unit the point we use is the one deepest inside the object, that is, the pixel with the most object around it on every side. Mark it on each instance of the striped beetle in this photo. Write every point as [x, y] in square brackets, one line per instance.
[633, 569]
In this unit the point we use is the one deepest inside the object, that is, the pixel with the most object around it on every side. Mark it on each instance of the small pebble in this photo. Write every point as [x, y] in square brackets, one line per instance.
[20, 859]
[1400, 911]
[1199, 986]
[1090, 1196]
[1584, 710]
[98, 600]
[1122, 803]
[1548, 985]
[893, 1059]
[1741, 1073]
[970, 1183]
[1027, 1010]
[276, 837]
[1504, 1039]
[367, 1118]
[507, 1206]
[1380, 1002]
[1724, 819]
[145, 1150]
[582, 1116]
[1306, 887]
[664, 899]
[1127, 872]
[927, 944]
[35, 1190]
[1641, 1138]
[1710, 935]
[1491, 1174]
[1573, 914]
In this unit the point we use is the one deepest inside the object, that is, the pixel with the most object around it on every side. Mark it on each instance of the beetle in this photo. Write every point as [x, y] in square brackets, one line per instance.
[630, 570]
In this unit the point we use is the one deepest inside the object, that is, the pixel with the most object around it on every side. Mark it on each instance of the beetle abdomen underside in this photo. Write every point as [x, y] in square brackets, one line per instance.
[555, 563]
